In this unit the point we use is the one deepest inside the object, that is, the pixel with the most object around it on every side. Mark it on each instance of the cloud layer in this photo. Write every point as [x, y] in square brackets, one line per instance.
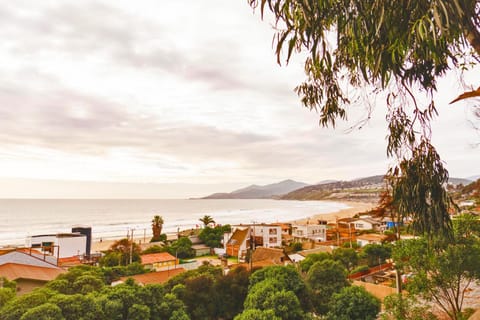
[177, 92]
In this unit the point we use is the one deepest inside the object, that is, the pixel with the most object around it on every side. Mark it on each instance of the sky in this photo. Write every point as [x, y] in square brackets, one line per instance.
[175, 99]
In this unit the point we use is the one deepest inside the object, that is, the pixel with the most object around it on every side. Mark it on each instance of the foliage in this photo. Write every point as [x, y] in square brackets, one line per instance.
[120, 253]
[182, 248]
[377, 253]
[400, 307]
[377, 47]
[206, 220]
[347, 257]
[288, 277]
[154, 249]
[255, 314]
[272, 294]
[213, 237]
[419, 194]
[467, 225]
[353, 303]
[310, 260]
[296, 246]
[157, 225]
[45, 311]
[325, 278]
[440, 272]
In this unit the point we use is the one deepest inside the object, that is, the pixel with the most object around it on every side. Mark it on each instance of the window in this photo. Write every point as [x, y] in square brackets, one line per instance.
[272, 240]
[272, 231]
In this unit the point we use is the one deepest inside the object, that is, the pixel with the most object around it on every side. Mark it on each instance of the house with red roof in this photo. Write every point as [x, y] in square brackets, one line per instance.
[28, 271]
[157, 277]
[159, 261]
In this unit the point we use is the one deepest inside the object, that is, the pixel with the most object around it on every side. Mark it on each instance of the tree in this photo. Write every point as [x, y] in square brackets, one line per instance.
[325, 278]
[347, 257]
[377, 253]
[440, 272]
[310, 260]
[255, 314]
[213, 237]
[400, 307]
[182, 248]
[157, 225]
[206, 220]
[45, 311]
[353, 303]
[399, 48]
[128, 250]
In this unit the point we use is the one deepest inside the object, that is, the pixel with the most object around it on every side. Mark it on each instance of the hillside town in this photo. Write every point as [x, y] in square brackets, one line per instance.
[362, 246]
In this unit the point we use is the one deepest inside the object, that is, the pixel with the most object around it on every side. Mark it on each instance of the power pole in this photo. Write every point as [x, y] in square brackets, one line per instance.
[131, 247]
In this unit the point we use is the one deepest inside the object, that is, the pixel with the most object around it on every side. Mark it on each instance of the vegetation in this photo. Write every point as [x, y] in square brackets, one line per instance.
[354, 303]
[206, 220]
[121, 253]
[374, 46]
[157, 226]
[213, 237]
[441, 271]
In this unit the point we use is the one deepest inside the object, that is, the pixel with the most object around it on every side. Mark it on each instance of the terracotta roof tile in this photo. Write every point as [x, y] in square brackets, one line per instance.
[13, 271]
[157, 257]
[155, 277]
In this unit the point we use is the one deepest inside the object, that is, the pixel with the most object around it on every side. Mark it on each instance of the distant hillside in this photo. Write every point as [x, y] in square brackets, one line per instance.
[457, 181]
[260, 192]
[474, 178]
[363, 189]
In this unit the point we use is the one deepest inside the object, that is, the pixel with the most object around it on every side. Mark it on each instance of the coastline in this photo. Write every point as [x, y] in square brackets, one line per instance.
[354, 207]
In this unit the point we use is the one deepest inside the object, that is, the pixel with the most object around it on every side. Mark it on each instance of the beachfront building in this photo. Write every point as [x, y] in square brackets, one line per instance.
[309, 232]
[159, 261]
[60, 245]
[372, 238]
[246, 236]
[367, 223]
[28, 270]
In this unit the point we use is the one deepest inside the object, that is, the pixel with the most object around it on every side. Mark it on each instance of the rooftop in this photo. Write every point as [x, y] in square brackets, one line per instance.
[14, 271]
[155, 277]
[157, 257]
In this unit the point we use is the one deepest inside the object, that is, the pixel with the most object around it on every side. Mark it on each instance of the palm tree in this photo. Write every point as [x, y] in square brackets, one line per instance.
[206, 220]
[157, 225]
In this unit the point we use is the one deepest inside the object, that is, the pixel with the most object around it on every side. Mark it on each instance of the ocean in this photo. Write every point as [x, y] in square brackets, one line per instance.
[113, 218]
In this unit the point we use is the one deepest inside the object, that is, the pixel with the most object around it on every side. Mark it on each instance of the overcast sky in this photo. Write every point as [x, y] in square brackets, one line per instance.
[174, 99]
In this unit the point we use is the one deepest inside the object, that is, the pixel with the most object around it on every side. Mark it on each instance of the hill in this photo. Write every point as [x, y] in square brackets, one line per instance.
[260, 192]
[363, 189]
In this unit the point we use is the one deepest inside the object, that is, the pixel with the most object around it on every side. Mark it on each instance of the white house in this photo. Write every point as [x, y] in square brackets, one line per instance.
[366, 223]
[316, 232]
[61, 245]
[240, 239]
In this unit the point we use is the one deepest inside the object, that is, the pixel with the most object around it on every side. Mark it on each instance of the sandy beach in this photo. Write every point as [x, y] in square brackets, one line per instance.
[354, 208]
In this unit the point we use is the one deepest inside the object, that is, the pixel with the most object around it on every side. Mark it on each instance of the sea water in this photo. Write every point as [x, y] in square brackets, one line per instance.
[115, 218]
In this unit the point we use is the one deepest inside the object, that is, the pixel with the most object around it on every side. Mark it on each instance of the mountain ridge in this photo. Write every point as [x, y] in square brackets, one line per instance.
[260, 192]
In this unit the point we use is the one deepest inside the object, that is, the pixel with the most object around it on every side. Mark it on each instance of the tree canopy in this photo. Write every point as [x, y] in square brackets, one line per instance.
[400, 48]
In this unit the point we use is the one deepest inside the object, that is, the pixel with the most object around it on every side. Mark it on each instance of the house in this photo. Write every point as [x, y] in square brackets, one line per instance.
[201, 250]
[372, 238]
[157, 277]
[60, 245]
[366, 223]
[238, 243]
[159, 261]
[314, 232]
[244, 237]
[273, 255]
[28, 271]
[264, 257]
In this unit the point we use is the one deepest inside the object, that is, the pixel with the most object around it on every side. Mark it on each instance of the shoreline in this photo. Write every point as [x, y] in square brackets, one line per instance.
[354, 207]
